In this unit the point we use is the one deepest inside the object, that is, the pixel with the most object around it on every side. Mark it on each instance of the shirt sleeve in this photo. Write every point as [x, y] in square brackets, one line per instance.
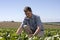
[38, 21]
[39, 24]
[23, 23]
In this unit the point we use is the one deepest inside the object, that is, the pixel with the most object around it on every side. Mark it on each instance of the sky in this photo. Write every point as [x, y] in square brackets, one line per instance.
[12, 10]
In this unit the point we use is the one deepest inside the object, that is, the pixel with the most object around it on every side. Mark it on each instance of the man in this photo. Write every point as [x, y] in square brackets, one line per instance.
[31, 24]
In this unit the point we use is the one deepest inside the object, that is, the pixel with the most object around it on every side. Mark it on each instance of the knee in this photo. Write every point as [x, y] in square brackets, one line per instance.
[24, 26]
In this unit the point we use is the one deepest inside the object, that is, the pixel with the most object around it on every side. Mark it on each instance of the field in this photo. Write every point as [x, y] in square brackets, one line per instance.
[8, 31]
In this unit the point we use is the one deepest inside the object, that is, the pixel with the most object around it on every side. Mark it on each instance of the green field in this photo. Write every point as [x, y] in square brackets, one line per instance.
[8, 31]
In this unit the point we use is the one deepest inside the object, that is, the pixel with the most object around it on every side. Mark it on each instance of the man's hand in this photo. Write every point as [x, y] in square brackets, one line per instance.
[30, 35]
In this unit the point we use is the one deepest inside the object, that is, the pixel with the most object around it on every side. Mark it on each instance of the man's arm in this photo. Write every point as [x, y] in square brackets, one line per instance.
[19, 30]
[21, 27]
[38, 25]
[37, 30]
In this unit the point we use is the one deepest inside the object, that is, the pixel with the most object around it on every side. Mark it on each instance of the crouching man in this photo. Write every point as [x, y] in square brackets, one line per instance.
[31, 24]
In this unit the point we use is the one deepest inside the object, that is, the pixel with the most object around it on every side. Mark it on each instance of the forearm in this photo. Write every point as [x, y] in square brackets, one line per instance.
[19, 30]
[37, 30]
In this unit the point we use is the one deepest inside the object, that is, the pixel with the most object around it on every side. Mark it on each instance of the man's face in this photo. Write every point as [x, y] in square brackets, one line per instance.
[28, 14]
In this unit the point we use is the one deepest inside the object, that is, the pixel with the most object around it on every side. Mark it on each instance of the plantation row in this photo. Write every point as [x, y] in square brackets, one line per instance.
[10, 34]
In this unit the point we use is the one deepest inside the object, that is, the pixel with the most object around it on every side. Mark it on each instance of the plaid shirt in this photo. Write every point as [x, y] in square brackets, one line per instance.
[33, 22]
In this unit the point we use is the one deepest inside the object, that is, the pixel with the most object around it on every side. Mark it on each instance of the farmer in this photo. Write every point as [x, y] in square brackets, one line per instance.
[32, 24]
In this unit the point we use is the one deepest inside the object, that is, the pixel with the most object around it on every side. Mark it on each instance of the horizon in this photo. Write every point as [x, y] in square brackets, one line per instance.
[21, 21]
